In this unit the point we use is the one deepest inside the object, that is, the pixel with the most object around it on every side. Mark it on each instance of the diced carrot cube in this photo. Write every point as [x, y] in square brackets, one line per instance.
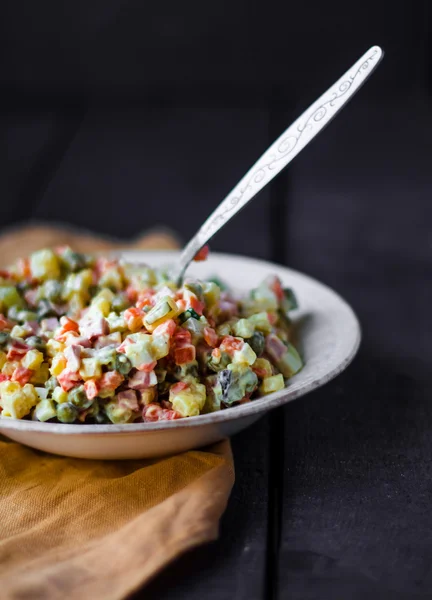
[210, 336]
[22, 375]
[184, 355]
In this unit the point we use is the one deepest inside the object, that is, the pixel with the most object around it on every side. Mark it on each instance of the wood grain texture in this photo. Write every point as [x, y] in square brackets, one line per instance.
[234, 565]
[356, 515]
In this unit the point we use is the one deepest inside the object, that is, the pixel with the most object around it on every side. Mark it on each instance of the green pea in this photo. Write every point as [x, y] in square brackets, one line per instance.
[78, 398]
[66, 412]
[122, 364]
[94, 290]
[101, 418]
[257, 343]
[35, 341]
[51, 384]
[4, 339]
[53, 290]
[119, 303]
[45, 309]
[23, 286]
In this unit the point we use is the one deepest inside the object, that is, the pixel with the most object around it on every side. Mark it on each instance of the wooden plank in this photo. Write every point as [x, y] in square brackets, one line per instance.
[234, 565]
[356, 521]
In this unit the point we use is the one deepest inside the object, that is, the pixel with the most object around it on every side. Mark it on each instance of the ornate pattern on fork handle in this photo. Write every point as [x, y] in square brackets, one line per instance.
[284, 149]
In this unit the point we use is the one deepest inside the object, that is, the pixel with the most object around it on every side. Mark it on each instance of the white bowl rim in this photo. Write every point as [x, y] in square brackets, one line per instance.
[260, 405]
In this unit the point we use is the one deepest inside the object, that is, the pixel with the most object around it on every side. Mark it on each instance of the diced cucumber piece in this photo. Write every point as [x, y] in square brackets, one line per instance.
[9, 296]
[291, 362]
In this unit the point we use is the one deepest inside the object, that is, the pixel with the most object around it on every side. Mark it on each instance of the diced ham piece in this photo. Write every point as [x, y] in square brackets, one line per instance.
[49, 324]
[73, 357]
[31, 297]
[71, 340]
[153, 412]
[3, 377]
[17, 350]
[113, 339]
[142, 380]
[93, 327]
[68, 379]
[91, 389]
[147, 367]
[32, 326]
[275, 347]
[110, 380]
[169, 415]
[128, 399]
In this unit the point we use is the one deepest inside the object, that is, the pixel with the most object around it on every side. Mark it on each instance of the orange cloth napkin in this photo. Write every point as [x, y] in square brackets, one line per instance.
[81, 529]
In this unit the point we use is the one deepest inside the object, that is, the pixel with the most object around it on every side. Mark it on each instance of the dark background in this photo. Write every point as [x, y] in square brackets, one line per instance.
[123, 115]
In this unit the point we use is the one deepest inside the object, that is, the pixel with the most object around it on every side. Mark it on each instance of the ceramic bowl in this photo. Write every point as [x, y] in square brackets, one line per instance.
[328, 339]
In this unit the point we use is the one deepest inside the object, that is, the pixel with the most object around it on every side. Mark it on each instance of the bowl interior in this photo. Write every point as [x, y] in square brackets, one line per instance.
[328, 336]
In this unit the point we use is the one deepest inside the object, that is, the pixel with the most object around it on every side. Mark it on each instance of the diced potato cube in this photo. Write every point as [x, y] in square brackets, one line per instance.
[112, 277]
[244, 328]
[224, 329]
[272, 384]
[91, 368]
[41, 375]
[100, 305]
[3, 359]
[9, 367]
[18, 331]
[116, 322]
[58, 364]
[140, 351]
[245, 356]
[32, 360]
[117, 413]
[160, 346]
[148, 395]
[45, 410]
[76, 303]
[59, 395]
[17, 402]
[53, 347]
[44, 264]
[261, 322]
[263, 367]
[190, 401]
[77, 283]
[211, 293]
